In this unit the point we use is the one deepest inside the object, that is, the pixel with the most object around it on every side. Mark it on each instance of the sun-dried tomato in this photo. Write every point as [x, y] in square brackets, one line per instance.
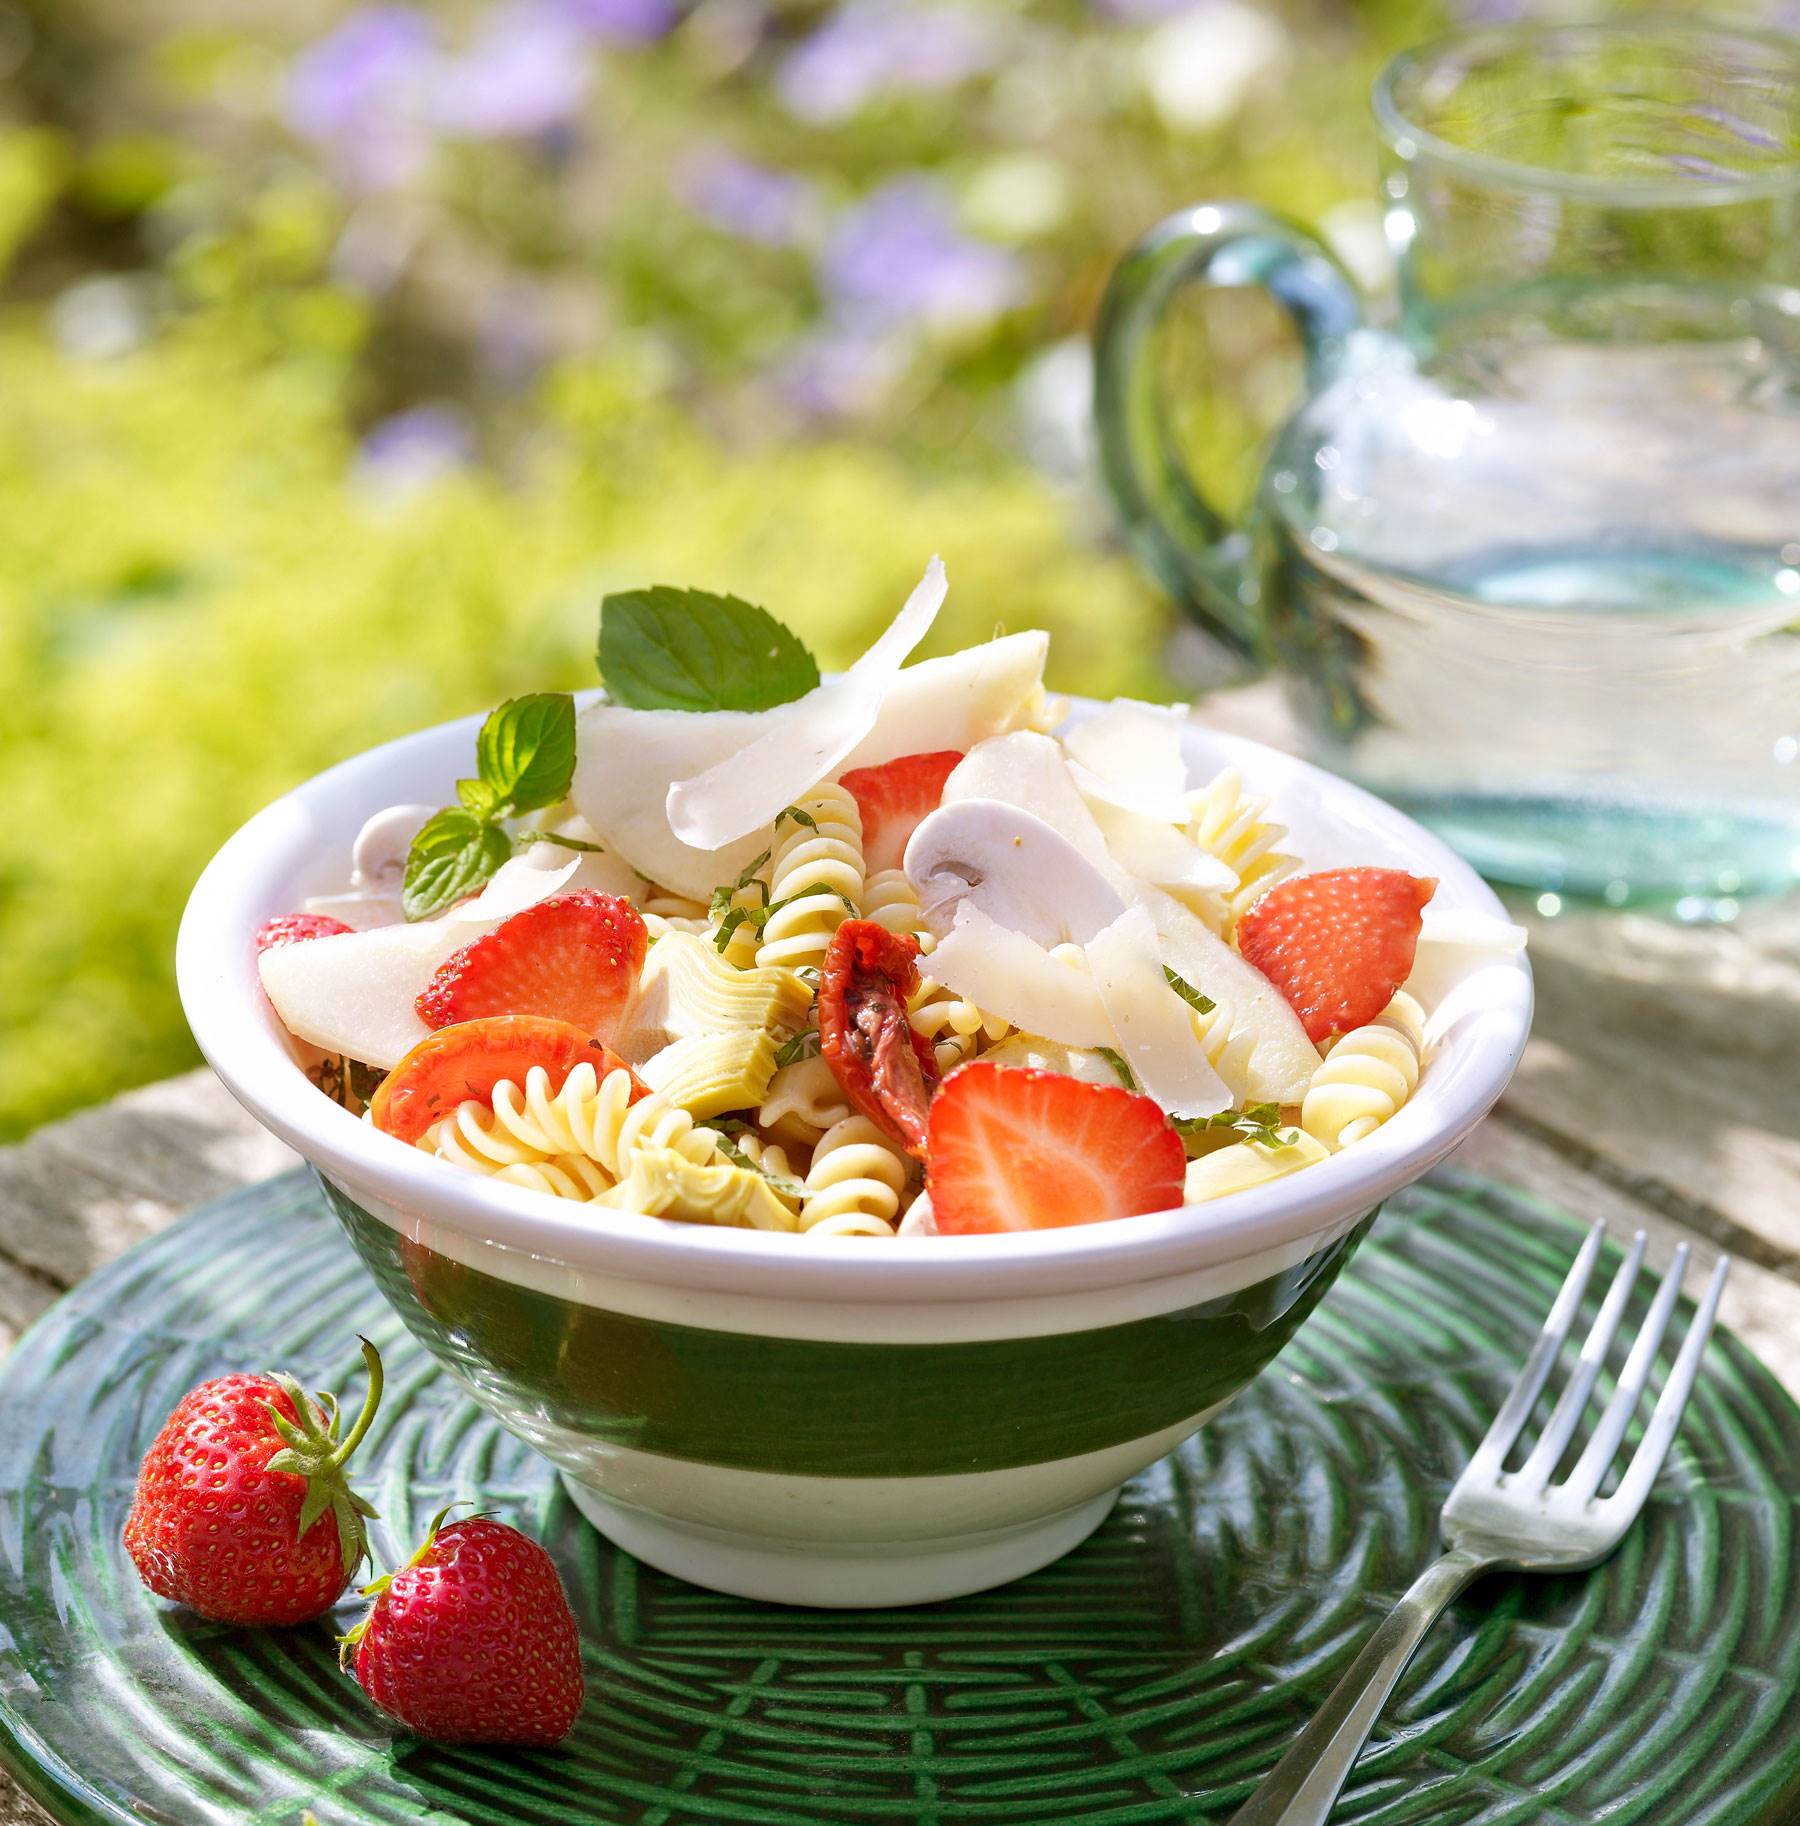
[886, 1070]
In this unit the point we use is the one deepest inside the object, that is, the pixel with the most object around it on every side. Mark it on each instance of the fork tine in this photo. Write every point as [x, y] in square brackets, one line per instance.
[1540, 1467]
[1634, 1486]
[1522, 1397]
[1584, 1480]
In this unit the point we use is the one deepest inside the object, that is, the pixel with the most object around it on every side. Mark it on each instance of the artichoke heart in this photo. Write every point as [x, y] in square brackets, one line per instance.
[665, 1183]
[707, 1074]
[1249, 1163]
[688, 990]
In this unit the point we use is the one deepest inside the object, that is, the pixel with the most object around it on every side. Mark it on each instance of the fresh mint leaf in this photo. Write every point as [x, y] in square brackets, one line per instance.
[1201, 1004]
[671, 649]
[798, 816]
[452, 856]
[1123, 1071]
[525, 754]
[476, 798]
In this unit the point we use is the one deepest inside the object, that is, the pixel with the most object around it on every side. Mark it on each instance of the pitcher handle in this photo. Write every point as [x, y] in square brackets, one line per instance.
[1198, 554]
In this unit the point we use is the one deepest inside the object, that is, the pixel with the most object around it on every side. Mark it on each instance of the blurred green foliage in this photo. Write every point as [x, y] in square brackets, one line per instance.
[209, 590]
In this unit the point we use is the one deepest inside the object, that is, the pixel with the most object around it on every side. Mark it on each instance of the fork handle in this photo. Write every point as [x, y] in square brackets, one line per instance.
[1301, 1788]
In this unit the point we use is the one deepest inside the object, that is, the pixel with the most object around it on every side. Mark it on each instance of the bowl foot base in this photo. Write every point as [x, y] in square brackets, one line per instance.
[802, 1572]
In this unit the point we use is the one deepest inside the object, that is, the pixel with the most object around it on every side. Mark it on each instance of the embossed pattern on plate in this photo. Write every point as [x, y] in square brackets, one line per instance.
[1152, 1676]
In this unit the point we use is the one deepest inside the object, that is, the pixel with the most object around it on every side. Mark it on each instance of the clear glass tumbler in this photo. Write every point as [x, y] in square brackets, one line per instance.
[1529, 560]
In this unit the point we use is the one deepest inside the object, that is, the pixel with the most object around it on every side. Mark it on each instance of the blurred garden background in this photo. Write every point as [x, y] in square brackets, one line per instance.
[348, 354]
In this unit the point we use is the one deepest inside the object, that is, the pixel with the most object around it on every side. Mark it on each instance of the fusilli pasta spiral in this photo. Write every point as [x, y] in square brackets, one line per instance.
[1228, 823]
[815, 879]
[855, 1182]
[565, 1176]
[892, 902]
[590, 1117]
[741, 947]
[1368, 1074]
[956, 1028]
[770, 1158]
[803, 1101]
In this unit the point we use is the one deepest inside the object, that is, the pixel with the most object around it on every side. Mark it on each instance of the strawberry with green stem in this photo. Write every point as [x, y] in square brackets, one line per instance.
[472, 1641]
[243, 1509]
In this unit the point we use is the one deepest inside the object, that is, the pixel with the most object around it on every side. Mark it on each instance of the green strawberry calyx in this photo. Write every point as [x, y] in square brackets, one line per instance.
[351, 1637]
[312, 1450]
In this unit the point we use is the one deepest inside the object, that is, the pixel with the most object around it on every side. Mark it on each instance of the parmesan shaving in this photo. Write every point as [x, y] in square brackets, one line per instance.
[803, 742]
[1150, 1022]
[1012, 976]
[1158, 853]
[1130, 755]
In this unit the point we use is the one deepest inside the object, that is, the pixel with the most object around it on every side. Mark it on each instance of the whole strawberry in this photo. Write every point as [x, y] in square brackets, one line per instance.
[242, 1509]
[472, 1641]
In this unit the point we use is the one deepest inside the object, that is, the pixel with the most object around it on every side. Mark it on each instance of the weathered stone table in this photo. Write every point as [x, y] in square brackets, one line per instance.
[1661, 1091]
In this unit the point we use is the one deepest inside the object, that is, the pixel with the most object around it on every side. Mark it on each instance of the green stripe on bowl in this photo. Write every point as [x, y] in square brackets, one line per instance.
[827, 1409]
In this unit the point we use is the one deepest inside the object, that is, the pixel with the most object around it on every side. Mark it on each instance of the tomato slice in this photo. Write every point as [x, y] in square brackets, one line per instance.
[886, 1070]
[468, 1059]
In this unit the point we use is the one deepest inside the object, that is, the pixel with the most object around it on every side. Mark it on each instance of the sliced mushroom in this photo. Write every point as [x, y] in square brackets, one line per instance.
[378, 859]
[1018, 870]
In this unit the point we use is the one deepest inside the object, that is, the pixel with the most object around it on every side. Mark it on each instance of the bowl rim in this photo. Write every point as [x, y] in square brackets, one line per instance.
[241, 1038]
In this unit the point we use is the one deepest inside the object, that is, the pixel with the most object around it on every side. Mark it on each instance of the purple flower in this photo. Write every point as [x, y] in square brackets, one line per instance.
[839, 374]
[755, 202]
[362, 92]
[413, 448]
[871, 47]
[898, 257]
[621, 21]
[524, 76]
[1144, 12]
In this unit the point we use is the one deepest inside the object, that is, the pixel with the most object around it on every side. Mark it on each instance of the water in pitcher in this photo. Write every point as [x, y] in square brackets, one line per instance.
[1546, 596]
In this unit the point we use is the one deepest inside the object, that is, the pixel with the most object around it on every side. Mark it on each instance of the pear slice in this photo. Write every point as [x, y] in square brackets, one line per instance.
[627, 759]
[353, 993]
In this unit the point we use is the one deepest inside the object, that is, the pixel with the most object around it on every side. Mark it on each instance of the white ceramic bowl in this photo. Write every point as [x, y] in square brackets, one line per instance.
[833, 1422]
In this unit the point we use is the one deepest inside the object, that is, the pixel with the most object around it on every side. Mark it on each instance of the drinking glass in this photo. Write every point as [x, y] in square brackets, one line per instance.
[1529, 560]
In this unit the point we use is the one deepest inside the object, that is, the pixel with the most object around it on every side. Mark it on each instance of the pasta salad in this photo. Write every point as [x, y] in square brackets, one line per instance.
[905, 951]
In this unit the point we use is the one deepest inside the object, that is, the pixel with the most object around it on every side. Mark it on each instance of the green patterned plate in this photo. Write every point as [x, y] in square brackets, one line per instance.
[1153, 1675]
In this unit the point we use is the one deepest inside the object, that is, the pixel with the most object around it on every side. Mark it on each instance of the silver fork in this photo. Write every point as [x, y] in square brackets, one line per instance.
[1518, 1521]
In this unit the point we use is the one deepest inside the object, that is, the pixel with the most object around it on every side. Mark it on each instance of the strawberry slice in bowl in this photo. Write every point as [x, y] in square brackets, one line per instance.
[894, 799]
[1013, 1148]
[1337, 944]
[575, 957]
[296, 928]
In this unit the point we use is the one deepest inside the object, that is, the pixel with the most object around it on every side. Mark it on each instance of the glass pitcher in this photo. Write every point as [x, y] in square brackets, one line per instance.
[1529, 561]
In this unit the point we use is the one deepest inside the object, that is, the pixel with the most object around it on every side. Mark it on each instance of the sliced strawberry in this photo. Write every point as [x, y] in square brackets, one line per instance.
[1338, 944]
[886, 1070]
[291, 928]
[894, 799]
[1013, 1148]
[466, 1061]
[575, 957]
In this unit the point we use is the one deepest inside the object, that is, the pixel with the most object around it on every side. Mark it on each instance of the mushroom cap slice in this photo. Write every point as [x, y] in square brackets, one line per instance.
[1021, 872]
